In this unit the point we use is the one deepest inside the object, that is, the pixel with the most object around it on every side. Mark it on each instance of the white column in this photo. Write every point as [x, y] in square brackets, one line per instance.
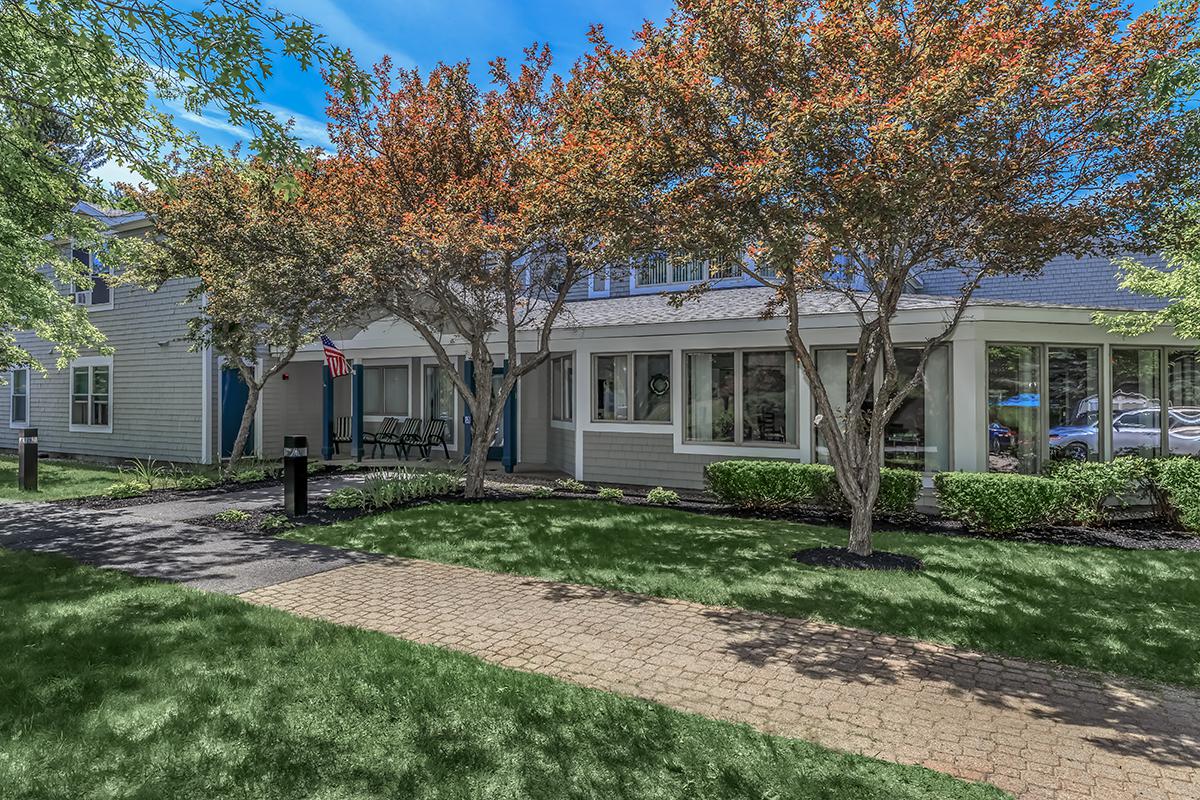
[583, 403]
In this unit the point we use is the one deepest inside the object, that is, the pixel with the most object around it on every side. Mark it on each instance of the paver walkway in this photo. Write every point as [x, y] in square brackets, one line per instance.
[1029, 729]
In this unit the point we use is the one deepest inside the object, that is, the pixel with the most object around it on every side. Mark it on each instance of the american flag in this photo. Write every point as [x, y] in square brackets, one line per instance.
[335, 359]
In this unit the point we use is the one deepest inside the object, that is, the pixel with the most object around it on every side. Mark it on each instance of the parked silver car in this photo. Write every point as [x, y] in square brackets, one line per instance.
[1135, 432]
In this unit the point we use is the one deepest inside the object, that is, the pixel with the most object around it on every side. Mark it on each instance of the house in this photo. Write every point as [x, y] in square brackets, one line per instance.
[638, 392]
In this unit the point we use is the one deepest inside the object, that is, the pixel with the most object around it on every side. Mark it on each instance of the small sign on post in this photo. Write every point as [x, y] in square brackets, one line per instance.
[27, 460]
[295, 475]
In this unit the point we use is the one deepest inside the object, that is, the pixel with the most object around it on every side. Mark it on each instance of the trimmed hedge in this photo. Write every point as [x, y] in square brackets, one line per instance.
[1090, 485]
[1178, 479]
[1001, 502]
[777, 484]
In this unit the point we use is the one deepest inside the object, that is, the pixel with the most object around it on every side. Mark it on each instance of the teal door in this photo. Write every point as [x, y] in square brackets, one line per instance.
[233, 404]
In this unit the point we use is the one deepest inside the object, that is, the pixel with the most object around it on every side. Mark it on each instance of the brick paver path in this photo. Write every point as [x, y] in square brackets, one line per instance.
[1029, 729]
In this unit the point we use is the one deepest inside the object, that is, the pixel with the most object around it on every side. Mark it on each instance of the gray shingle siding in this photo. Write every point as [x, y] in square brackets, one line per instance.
[1090, 282]
[156, 393]
[642, 459]
[560, 449]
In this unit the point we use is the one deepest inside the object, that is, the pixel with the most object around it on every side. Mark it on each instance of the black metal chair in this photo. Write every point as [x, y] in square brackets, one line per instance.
[435, 434]
[341, 433]
[385, 437]
[410, 436]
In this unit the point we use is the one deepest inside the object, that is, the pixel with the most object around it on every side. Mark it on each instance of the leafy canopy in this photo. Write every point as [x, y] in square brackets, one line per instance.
[81, 79]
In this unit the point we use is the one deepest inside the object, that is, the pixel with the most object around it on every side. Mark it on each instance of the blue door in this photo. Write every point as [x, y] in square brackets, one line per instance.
[233, 404]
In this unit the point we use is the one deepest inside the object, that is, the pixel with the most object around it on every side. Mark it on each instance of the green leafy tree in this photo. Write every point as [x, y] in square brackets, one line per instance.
[1178, 284]
[81, 79]
[268, 279]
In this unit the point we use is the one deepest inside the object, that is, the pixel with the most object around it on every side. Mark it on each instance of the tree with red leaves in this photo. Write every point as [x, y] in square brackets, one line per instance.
[851, 145]
[461, 207]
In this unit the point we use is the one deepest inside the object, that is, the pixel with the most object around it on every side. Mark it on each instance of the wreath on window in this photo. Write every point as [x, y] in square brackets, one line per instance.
[660, 384]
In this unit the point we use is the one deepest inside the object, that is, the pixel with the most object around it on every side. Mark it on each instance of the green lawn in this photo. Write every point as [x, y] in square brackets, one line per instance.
[57, 480]
[1129, 612]
[113, 687]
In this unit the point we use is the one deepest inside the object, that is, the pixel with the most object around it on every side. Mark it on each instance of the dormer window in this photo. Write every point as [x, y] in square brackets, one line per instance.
[94, 292]
[659, 271]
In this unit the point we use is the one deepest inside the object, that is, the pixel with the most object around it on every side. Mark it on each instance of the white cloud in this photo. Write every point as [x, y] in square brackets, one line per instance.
[308, 130]
[342, 31]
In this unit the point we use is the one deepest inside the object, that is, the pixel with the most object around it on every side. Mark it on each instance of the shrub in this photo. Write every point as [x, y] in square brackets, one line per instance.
[659, 496]
[571, 485]
[540, 491]
[126, 489]
[195, 480]
[272, 523]
[147, 472]
[315, 467]
[767, 484]
[609, 493]
[1178, 479]
[388, 488]
[251, 475]
[1089, 485]
[1001, 502]
[772, 484]
[346, 497]
[231, 515]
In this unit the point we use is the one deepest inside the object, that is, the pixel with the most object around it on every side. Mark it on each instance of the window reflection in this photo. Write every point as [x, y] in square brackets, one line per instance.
[1183, 403]
[710, 408]
[1073, 397]
[918, 435]
[1136, 409]
[1014, 408]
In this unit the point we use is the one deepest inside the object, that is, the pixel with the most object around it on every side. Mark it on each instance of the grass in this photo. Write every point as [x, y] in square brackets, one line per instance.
[1134, 613]
[114, 687]
[57, 480]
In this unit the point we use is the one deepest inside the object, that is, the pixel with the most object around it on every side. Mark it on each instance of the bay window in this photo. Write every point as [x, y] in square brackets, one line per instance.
[562, 388]
[741, 397]
[632, 387]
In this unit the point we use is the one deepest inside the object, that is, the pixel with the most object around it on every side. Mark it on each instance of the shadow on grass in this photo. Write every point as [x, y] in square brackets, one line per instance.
[149, 690]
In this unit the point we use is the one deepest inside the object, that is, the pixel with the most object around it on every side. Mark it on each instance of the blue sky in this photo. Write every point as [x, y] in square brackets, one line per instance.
[421, 33]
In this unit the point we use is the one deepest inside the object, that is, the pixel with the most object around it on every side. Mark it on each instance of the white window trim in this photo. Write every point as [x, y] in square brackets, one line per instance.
[11, 393]
[633, 424]
[90, 361]
[738, 445]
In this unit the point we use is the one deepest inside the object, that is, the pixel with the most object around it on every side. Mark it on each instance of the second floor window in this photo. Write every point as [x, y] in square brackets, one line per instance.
[663, 270]
[96, 291]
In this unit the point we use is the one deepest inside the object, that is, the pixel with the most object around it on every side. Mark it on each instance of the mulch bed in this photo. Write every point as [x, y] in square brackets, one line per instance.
[164, 495]
[841, 558]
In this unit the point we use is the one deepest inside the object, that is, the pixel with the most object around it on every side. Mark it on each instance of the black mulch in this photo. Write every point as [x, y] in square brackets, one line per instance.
[842, 558]
[164, 495]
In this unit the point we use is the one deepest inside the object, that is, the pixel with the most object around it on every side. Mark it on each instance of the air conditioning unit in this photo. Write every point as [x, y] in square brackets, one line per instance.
[83, 298]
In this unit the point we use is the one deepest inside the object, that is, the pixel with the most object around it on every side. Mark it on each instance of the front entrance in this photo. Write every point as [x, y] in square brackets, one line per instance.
[496, 451]
[233, 404]
[503, 447]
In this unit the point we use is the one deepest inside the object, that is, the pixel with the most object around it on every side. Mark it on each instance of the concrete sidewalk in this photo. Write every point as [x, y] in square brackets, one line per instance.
[153, 541]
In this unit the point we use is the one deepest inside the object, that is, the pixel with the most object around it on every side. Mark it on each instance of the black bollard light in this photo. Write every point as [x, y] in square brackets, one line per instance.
[295, 475]
[27, 458]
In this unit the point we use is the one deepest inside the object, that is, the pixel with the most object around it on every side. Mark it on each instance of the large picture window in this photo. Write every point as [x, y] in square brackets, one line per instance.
[1073, 400]
[632, 387]
[1183, 403]
[741, 397]
[562, 388]
[1136, 404]
[1014, 403]
[18, 396]
[91, 396]
[385, 391]
[918, 435]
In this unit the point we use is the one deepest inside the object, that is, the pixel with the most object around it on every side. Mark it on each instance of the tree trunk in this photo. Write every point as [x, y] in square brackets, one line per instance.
[860, 529]
[481, 439]
[239, 444]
